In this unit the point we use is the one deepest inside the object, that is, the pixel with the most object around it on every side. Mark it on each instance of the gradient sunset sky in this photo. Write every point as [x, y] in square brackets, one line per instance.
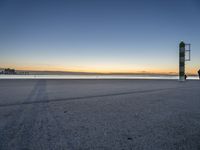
[98, 35]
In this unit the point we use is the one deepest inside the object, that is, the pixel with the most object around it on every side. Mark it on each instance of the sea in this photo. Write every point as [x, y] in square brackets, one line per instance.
[167, 77]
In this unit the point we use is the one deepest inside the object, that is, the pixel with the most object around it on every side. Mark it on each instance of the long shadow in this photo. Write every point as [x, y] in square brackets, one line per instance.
[81, 97]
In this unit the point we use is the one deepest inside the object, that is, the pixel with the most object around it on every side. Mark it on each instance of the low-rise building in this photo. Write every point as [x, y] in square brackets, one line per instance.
[9, 71]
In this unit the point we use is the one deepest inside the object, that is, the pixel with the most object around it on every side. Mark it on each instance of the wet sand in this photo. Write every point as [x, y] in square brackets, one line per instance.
[99, 114]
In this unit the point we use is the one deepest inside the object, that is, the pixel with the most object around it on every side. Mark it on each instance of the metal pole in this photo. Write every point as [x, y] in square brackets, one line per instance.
[182, 61]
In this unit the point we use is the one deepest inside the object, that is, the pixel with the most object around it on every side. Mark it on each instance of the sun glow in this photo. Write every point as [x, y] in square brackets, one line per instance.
[105, 68]
[110, 69]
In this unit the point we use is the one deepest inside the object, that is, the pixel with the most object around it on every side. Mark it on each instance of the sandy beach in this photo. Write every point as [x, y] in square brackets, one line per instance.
[99, 114]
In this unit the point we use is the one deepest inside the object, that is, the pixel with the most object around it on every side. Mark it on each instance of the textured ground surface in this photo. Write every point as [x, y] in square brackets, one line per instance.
[99, 114]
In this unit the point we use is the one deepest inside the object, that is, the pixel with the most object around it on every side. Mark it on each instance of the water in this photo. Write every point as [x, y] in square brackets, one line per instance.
[93, 77]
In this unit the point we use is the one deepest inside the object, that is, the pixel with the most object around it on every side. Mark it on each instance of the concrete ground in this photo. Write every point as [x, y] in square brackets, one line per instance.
[99, 114]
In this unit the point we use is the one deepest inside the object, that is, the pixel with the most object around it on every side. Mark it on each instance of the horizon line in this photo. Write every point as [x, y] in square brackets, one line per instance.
[100, 73]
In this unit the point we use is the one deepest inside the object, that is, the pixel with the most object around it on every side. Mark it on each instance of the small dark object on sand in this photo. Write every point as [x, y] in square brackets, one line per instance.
[129, 138]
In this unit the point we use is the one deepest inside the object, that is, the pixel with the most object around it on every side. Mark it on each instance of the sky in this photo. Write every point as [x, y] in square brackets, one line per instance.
[99, 35]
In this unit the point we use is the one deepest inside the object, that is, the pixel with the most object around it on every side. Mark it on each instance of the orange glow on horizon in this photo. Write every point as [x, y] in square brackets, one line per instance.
[105, 69]
[99, 70]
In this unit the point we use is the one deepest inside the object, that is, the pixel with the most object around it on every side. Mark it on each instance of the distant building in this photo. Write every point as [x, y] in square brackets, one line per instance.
[23, 73]
[9, 71]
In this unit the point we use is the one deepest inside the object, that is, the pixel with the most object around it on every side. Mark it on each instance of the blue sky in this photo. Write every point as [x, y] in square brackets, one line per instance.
[98, 35]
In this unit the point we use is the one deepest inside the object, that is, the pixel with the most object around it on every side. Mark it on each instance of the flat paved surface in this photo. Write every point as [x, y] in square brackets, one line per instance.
[99, 114]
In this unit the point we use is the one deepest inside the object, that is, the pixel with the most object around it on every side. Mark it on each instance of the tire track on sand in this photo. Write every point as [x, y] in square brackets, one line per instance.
[8, 132]
[34, 126]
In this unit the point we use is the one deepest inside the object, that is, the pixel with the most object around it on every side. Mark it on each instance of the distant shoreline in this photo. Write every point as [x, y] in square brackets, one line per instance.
[35, 72]
[142, 73]
[78, 76]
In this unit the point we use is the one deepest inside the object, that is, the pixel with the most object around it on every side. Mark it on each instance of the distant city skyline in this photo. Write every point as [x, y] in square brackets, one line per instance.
[105, 36]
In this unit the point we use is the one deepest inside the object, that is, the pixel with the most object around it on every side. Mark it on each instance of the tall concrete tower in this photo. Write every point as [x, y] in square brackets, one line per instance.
[182, 61]
[183, 50]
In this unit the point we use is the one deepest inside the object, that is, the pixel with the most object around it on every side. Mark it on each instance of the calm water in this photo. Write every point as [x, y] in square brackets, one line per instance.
[92, 77]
